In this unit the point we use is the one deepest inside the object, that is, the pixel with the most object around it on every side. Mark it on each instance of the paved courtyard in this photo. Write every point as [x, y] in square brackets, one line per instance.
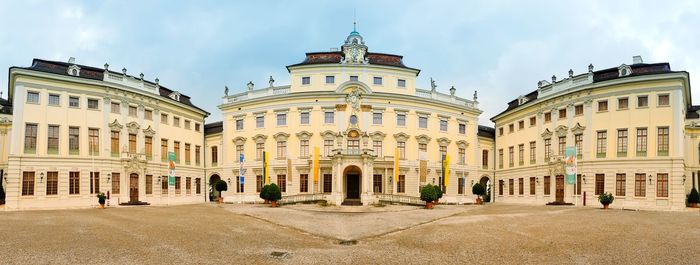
[309, 234]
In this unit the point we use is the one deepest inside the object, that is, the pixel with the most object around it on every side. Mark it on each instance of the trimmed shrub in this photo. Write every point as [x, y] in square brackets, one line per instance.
[438, 191]
[694, 196]
[428, 193]
[101, 197]
[220, 186]
[263, 192]
[273, 193]
[606, 198]
[478, 189]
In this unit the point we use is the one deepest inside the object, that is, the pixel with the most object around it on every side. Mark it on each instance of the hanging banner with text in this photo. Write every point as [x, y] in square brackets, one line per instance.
[570, 165]
[171, 168]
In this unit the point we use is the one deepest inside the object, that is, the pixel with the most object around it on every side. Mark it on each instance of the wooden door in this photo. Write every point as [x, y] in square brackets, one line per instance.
[560, 189]
[353, 186]
[134, 188]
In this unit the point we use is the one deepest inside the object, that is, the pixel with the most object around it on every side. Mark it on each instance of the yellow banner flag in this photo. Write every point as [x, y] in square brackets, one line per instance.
[447, 170]
[266, 172]
[396, 165]
[316, 165]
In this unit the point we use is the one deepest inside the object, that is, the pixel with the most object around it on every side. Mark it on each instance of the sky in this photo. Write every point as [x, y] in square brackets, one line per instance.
[499, 48]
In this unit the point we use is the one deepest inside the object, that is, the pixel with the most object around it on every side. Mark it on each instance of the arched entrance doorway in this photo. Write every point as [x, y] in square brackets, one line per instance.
[133, 187]
[353, 180]
[487, 184]
[213, 194]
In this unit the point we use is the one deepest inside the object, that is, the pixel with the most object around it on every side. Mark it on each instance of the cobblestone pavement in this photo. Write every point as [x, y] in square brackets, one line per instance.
[213, 234]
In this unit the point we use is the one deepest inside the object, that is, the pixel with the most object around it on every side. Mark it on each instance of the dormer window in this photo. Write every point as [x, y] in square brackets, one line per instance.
[74, 70]
[624, 70]
[522, 100]
[175, 96]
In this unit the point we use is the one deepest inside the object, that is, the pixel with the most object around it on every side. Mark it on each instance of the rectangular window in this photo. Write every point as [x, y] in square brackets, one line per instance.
[33, 97]
[30, 134]
[562, 114]
[327, 147]
[533, 153]
[114, 143]
[603, 105]
[500, 131]
[443, 125]
[176, 121]
[54, 100]
[115, 183]
[282, 182]
[94, 141]
[149, 147]
[188, 155]
[240, 184]
[330, 79]
[164, 184]
[622, 103]
[94, 182]
[51, 183]
[74, 140]
[178, 185]
[562, 145]
[662, 141]
[521, 125]
[377, 80]
[148, 114]
[196, 127]
[164, 118]
[462, 128]
[354, 146]
[662, 185]
[663, 100]
[377, 118]
[132, 111]
[460, 186]
[305, 80]
[149, 184]
[422, 147]
[305, 118]
[328, 117]
[510, 156]
[521, 154]
[239, 151]
[52, 139]
[622, 142]
[401, 83]
[214, 156]
[132, 143]
[93, 103]
[511, 128]
[400, 119]
[401, 184]
[578, 110]
[533, 121]
[73, 183]
[188, 124]
[640, 185]
[462, 156]
[641, 141]
[602, 144]
[547, 149]
[176, 147]
[239, 124]
[511, 187]
[578, 184]
[74, 102]
[353, 78]
[281, 119]
[642, 101]
[304, 183]
[402, 149]
[28, 183]
[422, 122]
[547, 117]
[547, 185]
[259, 149]
[164, 150]
[532, 185]
[578, 143]
[443, 151]
[500, 158]
[500, 187]
[197, 155]
[377, 148]
[620, 184]
[259, 183]
[304, 148]
[521, 188]
[327, 183]
[260, 121]
[599, 184]
[281, 149]
[198, 185]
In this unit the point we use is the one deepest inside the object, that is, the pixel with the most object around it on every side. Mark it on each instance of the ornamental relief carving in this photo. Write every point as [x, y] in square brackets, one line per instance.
[133, 127]
[259, 138]
[561, 130]
[239, 140]
[578, 129]
[304, 135]
[547, 134]
[281, 136]
[115, 126]
[328, 135]
[443, 141]
[423, 139]
[401, 137]
[377, 136]
[149, 131]
[462, 144]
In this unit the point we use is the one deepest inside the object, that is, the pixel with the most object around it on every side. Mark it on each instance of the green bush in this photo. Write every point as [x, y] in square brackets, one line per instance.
[438, 191]
[606, 198]
[478, 189]
[693, 197]
[101, 197]
[220, 186]
[273, 193]
[263, 192]
[428, 193]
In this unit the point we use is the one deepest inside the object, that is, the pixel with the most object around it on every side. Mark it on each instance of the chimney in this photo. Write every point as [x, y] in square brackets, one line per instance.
[334, 49]
[71, 60]
[637, 59]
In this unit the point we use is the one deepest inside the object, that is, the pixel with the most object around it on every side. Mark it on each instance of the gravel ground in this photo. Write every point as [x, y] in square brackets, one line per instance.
[212, 234]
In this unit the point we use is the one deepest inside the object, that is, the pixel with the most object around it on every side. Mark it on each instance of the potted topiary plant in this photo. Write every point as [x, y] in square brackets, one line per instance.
[2, 192]
[606, 199]
[263, 193]
[101, 198]
[479, 191]
[220, 186]
[428, 195]
[274, 194]
[438, 193]
[693, 198]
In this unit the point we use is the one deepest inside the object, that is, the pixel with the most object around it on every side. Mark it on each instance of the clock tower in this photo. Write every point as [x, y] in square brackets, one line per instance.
[354, 49]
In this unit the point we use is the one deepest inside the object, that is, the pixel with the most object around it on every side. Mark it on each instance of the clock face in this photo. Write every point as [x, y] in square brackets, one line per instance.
[353, 120]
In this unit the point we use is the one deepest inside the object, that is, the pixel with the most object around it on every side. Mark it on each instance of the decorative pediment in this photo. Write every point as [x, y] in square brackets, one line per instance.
[328, 135]
[115, 126]
[401, 137]
[149, 131]
[281, 136]
[624, 70]
[239, 140]
[304, 135]
[259, 138]
[377, 136]
[547, 134]
[578, 129]
[423, 139]
[444, 141]
[5, 121]
[74, 70]
[462, 144]
[175, 95]
[133, 127]
[561, 130]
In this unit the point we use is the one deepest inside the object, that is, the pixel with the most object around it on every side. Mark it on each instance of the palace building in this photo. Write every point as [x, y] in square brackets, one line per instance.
[633, 128]
[69, 131]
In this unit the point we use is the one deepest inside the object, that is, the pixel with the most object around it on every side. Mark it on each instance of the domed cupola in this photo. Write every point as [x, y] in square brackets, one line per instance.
[354, 49]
